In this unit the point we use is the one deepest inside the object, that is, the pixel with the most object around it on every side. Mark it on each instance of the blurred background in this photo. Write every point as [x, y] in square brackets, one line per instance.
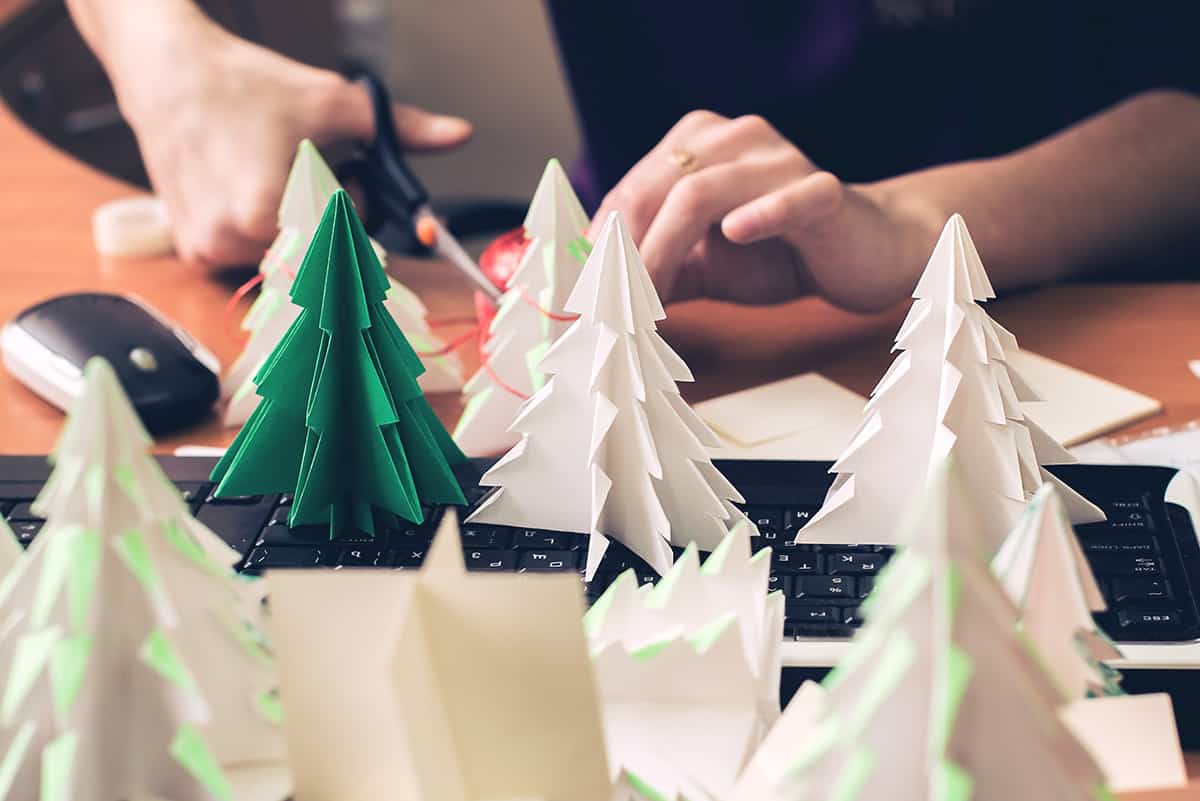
[50, 78]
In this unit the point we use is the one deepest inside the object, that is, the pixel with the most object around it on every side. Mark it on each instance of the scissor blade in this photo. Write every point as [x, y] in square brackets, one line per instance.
[448, 248]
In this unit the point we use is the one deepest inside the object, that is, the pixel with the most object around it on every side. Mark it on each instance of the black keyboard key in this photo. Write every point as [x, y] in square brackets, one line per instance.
[547, 561]
[532, 539]
[409, 537]
[232, 499]
[852, 616]
[796, 562]
[286, 499]
[795, 519]
[23, 513]
[238, 524]
[410, 558]
[824, 587]
[766, 518]
[486, 537]
[1148, 618]
[25, 532]
[1146, 546]
[364, 557]
[504, 561]
[851, 563]
[280, 518]
[475, 493]
[780, 583]
[1140, 589]
[865, 585]
[805, 613]
[1126, 565]
[266, 557]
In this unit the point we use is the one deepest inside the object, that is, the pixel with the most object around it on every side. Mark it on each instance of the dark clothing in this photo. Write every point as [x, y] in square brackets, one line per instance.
[862, 98]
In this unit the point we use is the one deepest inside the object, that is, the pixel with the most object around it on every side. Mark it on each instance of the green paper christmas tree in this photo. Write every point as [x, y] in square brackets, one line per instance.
[342, 422]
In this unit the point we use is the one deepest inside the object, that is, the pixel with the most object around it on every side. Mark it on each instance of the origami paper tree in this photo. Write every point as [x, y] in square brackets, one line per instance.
[608, 446]
[525, 326]
[1045, 573]
[950, 385]
[343, 423]
[310, 185]
[130, 669]
[940, 696]
[688, 671]
[467, 687]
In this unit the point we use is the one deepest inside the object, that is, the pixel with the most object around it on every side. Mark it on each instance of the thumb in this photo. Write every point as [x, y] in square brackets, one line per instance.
[352, 116]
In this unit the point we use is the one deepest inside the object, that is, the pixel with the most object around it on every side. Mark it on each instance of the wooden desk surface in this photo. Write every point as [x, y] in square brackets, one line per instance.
[1140, 336]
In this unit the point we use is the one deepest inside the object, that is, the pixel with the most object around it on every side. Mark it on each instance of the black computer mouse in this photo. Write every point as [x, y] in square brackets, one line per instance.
[171, 379]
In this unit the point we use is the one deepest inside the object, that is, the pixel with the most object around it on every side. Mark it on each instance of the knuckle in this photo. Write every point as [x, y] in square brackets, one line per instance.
[752, 123]
[697, 118]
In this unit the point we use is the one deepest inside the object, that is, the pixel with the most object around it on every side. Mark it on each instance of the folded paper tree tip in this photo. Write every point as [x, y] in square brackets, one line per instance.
[428, 723]
[309, 187]
[608, 446]
[1047, 576]
[126, 648]
[951, 387]
[530, 316]
[362, 441]
[941, 659]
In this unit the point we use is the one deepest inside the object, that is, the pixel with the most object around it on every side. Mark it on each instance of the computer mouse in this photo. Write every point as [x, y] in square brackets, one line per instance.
[171, 379]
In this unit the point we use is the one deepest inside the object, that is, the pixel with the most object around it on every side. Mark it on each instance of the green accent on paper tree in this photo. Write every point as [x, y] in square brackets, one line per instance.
[342, 422]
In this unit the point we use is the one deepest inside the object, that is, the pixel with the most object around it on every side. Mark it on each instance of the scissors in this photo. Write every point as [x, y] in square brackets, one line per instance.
[395, 194]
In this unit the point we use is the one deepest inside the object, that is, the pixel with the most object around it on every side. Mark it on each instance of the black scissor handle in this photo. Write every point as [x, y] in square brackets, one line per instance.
[393, 190]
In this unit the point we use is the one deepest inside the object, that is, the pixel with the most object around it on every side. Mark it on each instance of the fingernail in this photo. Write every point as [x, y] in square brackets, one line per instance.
[449, 126]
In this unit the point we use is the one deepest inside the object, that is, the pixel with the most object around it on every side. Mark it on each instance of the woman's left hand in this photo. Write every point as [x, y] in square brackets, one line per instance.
[730, 209]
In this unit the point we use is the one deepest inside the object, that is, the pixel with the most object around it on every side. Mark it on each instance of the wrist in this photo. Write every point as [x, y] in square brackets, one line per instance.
[177, 38]
[916, 219]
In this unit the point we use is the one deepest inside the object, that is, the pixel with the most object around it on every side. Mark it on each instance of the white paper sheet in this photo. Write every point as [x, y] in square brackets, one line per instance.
[1133, 738]
[1078, 406]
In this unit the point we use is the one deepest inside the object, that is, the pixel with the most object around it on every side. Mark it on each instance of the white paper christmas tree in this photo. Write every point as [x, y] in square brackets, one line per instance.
[449, 686]
[529, 317]
[950, 387]
[940, 696]
[1045, 573]
[310, 185]
[129, 667]
[688, 672]
[608, 446]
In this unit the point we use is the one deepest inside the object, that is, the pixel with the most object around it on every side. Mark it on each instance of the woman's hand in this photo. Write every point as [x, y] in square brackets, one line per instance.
[731, 210]
[218, 120]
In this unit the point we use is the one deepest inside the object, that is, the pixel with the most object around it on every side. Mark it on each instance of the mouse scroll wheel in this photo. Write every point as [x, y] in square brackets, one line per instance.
[143, 359]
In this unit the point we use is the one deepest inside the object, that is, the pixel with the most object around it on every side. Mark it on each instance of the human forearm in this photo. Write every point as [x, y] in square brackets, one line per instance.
[1119, 187]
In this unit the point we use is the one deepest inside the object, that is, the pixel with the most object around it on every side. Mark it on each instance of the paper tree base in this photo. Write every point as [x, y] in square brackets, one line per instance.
[1133, 738]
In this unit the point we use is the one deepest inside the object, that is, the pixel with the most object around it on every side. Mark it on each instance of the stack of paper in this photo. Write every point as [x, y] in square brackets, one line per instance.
[688, 672]
[608, 446]
[437, 685]
[952, 386]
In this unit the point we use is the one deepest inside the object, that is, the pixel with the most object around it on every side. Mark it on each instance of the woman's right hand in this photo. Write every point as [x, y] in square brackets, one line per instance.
[218, 120]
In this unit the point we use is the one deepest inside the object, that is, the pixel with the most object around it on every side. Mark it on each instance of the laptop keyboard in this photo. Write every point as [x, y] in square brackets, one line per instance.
[1145, 556]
